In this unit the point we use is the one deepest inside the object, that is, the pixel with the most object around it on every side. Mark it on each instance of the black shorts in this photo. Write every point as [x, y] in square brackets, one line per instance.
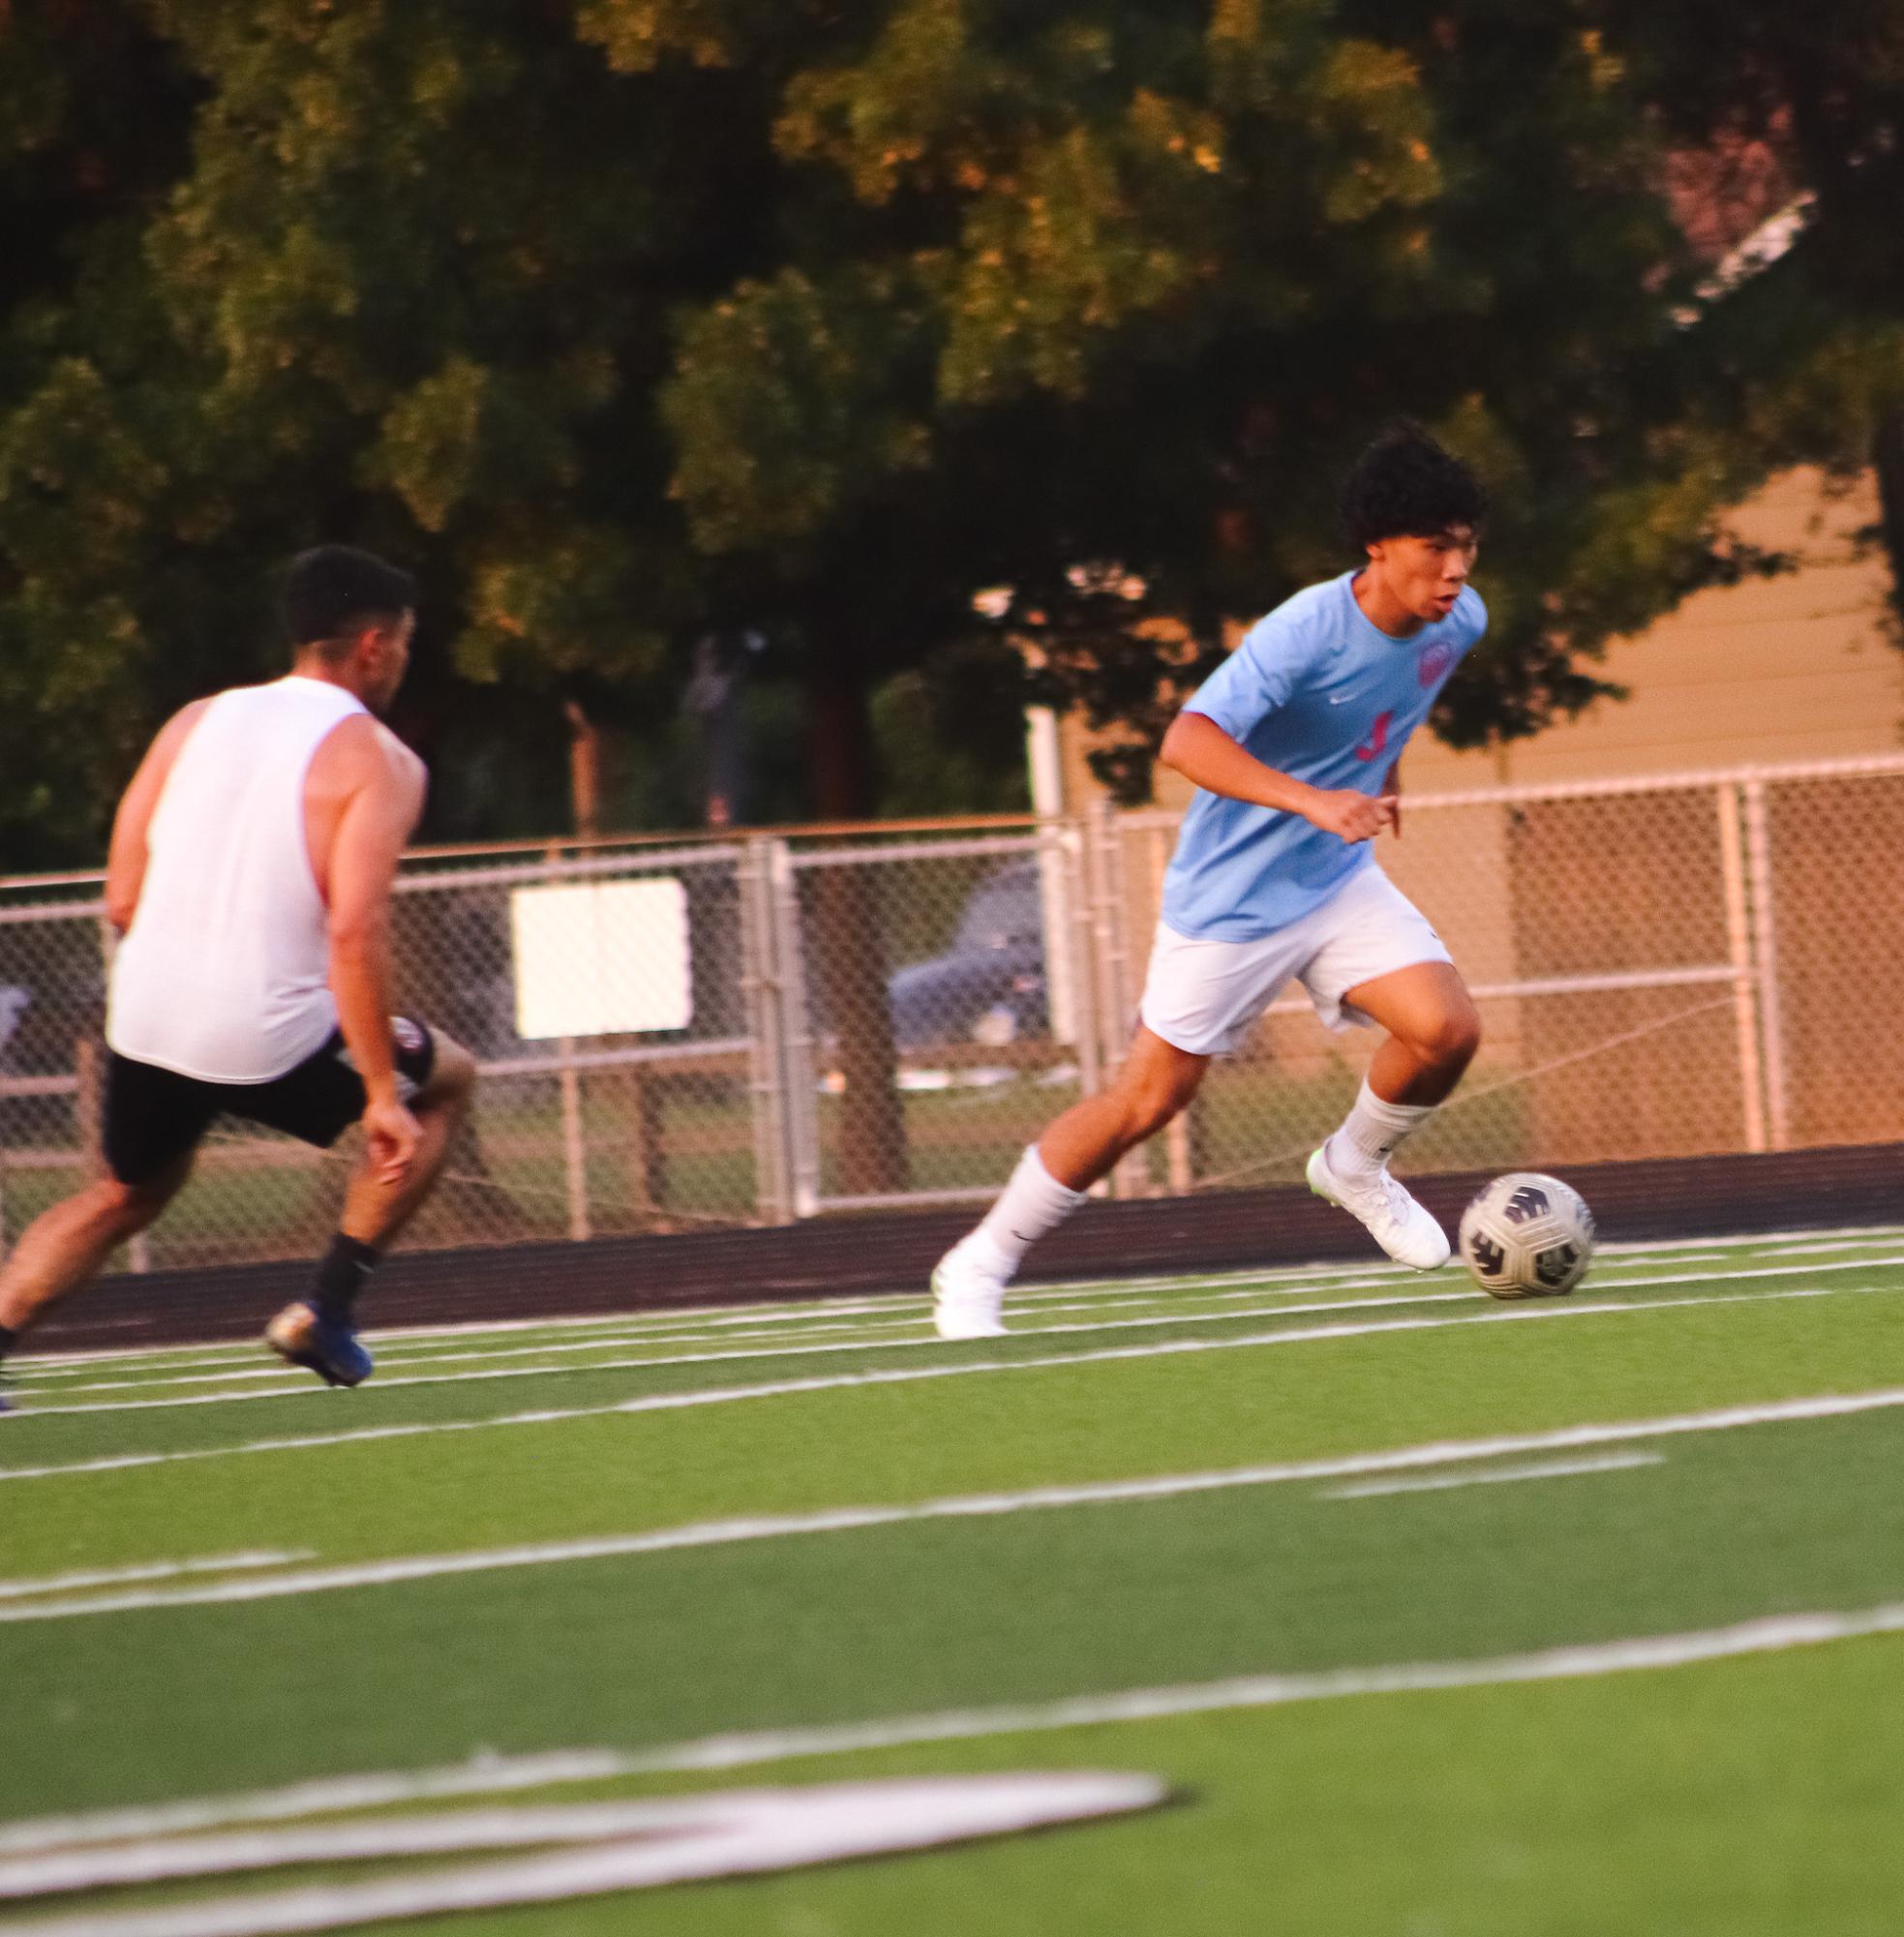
[153, 1116]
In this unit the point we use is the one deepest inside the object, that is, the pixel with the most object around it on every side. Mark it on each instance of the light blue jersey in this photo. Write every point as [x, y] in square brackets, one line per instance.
[1317, 692]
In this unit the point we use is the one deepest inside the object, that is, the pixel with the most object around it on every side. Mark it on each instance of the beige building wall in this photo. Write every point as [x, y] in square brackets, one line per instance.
[1775, 669]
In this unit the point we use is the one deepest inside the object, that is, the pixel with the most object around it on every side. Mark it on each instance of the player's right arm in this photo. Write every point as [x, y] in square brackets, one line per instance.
[1207, 757]
[380, 812]
[1205, 741]
[126, 856]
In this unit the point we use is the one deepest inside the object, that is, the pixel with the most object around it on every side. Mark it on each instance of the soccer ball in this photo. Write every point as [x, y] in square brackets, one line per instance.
[1528, 1236]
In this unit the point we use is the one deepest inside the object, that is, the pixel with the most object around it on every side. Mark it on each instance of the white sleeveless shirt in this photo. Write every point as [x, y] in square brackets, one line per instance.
[224, 973]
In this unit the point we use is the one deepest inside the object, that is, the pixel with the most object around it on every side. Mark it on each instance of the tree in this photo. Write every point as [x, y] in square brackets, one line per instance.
[630, 321]
[1805, 360]
[1102, 302]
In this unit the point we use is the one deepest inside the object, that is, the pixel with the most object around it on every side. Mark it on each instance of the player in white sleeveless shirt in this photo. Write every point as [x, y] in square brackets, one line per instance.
[250, 876]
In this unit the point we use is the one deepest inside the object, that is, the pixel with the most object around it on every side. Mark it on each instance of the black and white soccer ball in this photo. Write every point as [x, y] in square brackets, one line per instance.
[1528, 1236]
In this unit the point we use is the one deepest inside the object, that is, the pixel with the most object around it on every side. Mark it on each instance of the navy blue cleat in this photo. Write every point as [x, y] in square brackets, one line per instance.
[334, 1352]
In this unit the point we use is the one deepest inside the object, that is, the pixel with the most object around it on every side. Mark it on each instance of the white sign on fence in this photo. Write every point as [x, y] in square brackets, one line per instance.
[601, 957]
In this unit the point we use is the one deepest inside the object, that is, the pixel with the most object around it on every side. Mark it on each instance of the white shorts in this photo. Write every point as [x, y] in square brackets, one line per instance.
[1203, 997]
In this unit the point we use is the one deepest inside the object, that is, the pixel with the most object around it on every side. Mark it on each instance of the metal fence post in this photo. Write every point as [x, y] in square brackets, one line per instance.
[1765, 938]
[1739, 950]
[766, 1071]
[798, 1058]
[1104, 844]
[1081, 961]
[575, 1145]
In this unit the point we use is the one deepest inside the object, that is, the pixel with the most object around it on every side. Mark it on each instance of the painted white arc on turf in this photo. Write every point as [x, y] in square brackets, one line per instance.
[728, 1833]
[148, 1860]
[858, 1519]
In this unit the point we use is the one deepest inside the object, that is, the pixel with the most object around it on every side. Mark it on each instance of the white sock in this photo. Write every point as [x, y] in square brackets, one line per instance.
[1371, 1131]
[1031, 1205]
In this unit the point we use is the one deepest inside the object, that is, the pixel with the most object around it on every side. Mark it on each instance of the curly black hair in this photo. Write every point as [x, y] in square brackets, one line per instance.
[1406, 485]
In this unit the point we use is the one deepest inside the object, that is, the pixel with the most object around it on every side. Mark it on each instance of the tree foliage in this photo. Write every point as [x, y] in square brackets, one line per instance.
[625, 318]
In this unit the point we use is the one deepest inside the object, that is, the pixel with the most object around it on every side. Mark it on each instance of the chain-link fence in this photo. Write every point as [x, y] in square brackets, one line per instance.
[762, 1028]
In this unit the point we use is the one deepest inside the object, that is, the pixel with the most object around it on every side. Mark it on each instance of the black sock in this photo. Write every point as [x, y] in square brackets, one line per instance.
[344, 1272]
[8, 1341]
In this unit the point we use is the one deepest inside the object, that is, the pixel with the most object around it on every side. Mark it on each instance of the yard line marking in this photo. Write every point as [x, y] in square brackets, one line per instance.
[1633, 1249]
[1467, 1296]
[1578, 1661]
[669, 1401]
[747, 1528]
[916, 1322]
[819, 1316]
[481, 1775]
[1548, 1469]
[152, 1570]
[1774, 1634]
[748, 1352]
[1814, 1250]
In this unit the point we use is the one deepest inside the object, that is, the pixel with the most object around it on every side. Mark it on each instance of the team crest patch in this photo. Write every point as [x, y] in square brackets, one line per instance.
[515, 1855]
[1437, 657]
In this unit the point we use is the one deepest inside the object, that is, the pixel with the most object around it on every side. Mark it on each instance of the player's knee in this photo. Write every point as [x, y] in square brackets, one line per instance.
[125, 1209]
[1455, 1038]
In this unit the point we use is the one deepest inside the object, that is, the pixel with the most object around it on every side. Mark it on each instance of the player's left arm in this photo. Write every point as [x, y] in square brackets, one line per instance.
[377, 820]
[126, 856]
[1391, 791]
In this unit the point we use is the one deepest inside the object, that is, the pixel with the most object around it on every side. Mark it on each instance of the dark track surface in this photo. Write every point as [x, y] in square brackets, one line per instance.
[894, 1253]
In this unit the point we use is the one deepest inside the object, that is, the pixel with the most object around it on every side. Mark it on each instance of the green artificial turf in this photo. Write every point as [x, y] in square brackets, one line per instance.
[1748, 1795]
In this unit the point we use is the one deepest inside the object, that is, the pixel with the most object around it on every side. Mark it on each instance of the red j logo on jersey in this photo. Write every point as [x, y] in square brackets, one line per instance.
[1377, 744]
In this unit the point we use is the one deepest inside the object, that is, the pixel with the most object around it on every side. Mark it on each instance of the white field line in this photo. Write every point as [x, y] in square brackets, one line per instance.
[1812, 1250]
[152, 1570]
[816, 1314]
[1177, 1298]
[502, 1775]
[1770, 1636]
[1546, 1469]
[915, 1321]
[308, 1390]
[1774, 1634]
[1434, 1454]
[793, 1312]
[481, 1775]
[669, 1401]
[697, 1318]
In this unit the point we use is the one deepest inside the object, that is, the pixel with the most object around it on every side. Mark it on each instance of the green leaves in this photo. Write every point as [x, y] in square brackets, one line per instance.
[785, 405]
[638, 318]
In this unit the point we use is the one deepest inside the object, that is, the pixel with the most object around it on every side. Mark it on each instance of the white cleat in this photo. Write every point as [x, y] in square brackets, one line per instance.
[967, 1301]
[1406, 1231]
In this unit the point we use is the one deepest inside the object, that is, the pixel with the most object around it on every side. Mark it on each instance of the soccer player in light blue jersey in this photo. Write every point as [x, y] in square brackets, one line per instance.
[1295, 747]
